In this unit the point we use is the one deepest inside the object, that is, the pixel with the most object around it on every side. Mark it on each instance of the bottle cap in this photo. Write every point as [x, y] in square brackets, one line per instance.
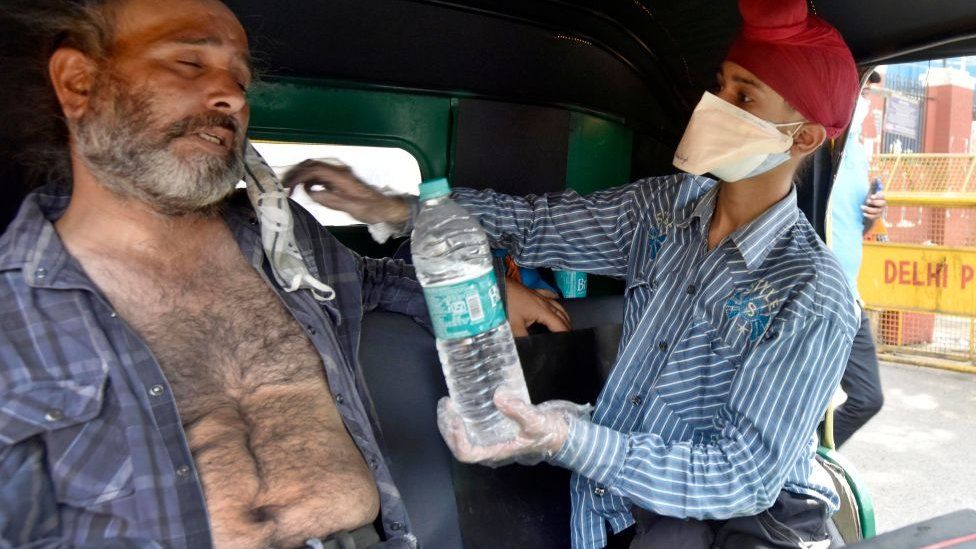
[434, 188]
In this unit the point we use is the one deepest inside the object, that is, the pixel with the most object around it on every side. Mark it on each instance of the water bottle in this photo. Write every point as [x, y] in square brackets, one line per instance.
[474, 341]
[572, 284]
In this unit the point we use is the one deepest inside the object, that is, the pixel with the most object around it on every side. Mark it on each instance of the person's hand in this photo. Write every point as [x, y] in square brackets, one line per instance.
[542, 431]
[527, 307]
[873, 207]
[338, 188]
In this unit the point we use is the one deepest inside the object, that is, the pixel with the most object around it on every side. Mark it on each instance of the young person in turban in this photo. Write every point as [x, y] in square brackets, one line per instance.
[738, 320]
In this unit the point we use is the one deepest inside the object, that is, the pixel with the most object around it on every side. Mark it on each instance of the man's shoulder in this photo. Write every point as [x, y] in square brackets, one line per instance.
[23, 233]
[822, 288]
[674, 195]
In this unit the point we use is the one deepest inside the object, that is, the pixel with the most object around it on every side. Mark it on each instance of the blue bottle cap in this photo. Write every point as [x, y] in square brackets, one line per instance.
[434, 188]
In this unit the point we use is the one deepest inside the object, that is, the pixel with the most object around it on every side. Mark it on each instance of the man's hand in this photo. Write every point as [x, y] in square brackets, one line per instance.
[527, 307]
[338, 188]
[873, 207]
[542, 431]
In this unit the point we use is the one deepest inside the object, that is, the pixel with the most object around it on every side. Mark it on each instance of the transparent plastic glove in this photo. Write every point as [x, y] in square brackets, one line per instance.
[336, 186]
[542, 432]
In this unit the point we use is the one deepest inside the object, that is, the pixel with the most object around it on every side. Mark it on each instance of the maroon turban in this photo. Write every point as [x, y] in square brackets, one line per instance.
[801, 57]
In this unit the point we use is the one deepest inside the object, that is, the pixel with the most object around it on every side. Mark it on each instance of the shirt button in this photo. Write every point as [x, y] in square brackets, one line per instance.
[663, 345]
[54, 415]
[770, 335]
[691, 289]
[40, 273]
[183, 471]
[252, 220]
[636, 400]
[156, 390]
[599, 491]
[339, 398]
[396, 526]
[374, 463]
[311, 330]
[113, 314]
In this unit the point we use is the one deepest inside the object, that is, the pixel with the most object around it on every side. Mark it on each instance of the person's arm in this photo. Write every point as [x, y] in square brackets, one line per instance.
[28, 508]
[777, 397]
[391, 285]
[560, 230]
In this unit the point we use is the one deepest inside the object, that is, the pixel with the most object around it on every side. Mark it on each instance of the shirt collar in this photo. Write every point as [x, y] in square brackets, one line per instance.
[754, 238]
[702, 210]
[31, 243]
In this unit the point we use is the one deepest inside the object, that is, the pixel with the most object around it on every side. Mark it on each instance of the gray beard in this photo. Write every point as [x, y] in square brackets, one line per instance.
[121, 142]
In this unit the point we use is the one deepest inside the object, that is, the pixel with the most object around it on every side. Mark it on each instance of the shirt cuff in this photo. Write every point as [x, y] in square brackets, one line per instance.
[594, 451]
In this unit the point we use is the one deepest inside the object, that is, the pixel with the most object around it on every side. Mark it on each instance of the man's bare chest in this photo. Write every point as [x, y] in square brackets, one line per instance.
[218, 336]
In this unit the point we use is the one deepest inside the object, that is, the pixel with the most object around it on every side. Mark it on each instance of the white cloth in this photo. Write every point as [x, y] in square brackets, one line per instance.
[270, 201]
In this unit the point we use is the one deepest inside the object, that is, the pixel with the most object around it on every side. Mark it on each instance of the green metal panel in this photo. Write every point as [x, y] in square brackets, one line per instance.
[865, 506]
[599, 153]
[313, 112]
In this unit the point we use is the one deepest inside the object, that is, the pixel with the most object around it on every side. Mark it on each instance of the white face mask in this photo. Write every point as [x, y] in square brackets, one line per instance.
[730, 143]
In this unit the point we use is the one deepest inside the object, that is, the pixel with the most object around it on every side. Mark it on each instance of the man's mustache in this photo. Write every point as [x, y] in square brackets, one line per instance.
[193, 124]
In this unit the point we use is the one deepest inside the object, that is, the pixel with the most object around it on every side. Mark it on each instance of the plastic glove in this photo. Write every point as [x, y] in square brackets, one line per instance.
[337, 187]
[542, 432]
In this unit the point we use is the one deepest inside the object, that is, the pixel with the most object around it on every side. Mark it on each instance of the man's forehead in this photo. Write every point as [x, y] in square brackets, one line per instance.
[203, 22]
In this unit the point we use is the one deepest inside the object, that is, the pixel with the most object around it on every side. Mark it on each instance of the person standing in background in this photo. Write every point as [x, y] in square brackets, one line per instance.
[855, 206]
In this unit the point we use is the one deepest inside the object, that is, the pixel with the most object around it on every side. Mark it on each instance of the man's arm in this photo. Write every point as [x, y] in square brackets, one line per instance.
[777, 397]
[391, 285]
[559, 230]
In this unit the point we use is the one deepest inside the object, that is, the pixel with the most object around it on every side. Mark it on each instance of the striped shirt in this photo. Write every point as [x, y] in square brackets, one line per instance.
[728, 357]
[91, 444]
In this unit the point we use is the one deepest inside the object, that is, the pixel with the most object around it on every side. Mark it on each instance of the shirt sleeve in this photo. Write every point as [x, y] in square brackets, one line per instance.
[391, 285]
[560, 230]
[777, 397]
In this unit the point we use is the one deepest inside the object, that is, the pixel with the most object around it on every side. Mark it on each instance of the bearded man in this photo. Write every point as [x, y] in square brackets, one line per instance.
[176, 370]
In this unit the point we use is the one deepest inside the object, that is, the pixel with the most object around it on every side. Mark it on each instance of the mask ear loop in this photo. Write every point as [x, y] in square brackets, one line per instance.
[799, 126]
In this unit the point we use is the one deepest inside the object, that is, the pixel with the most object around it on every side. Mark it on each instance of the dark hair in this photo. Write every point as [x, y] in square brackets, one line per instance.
[874, 77]
[35, 134]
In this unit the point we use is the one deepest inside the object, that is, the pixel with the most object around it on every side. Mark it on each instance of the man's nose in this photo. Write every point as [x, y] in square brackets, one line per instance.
[225, 94]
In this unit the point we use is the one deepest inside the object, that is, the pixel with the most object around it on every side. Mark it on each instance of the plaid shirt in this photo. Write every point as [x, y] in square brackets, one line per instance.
[91, 444]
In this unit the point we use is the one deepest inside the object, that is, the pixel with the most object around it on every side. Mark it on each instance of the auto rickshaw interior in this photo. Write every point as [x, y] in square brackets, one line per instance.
[523, 96]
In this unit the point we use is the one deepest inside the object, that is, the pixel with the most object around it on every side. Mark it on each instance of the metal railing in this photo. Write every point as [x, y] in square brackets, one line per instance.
[918, 276]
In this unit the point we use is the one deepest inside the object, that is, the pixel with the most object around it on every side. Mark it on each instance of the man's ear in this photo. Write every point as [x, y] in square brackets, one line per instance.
[808, 139]
[72, 74]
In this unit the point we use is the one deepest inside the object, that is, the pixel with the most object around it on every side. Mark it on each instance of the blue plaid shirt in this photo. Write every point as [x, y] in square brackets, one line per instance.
[729, 356]
[91, 445]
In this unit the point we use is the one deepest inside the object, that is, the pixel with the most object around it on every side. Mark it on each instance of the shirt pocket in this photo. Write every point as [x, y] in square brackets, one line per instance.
[696, 380]
[88, 458]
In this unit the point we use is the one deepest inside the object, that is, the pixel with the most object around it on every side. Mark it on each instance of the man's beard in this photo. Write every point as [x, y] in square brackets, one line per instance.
[128, 149]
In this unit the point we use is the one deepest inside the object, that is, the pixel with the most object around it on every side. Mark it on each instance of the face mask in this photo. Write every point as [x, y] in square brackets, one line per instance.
[730, 143]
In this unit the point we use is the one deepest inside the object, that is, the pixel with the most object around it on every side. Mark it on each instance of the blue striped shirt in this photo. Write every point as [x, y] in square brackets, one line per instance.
[728, 358]
[91, 443]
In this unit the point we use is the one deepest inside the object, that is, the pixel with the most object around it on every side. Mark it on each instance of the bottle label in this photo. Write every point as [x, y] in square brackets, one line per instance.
[465, 309]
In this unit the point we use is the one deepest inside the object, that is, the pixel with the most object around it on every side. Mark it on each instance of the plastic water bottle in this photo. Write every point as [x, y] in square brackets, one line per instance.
[474, 341]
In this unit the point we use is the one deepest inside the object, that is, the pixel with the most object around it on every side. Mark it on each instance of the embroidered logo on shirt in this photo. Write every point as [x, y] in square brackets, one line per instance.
[753, 308]
[658, 233]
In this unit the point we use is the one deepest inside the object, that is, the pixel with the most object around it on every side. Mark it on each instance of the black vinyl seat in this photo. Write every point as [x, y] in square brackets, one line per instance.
[453, 505]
